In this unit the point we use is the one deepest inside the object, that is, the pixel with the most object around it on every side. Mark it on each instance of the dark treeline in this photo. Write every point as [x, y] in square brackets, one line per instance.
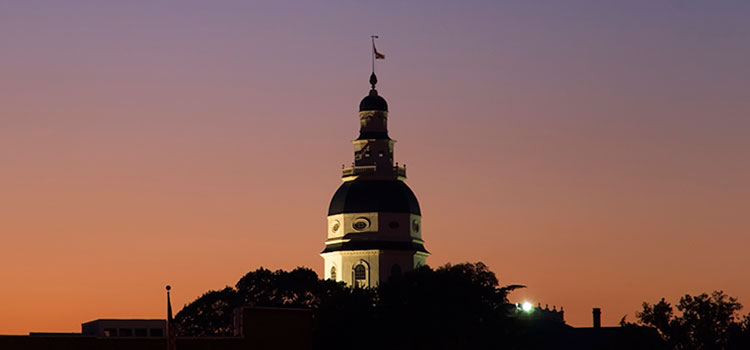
[704, 322]
[452, 307]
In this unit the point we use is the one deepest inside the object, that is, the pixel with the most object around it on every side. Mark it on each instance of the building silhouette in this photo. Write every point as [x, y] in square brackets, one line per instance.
[255, 329]
[125, 328]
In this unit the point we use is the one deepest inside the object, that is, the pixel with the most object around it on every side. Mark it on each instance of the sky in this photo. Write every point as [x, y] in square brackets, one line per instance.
[595, 151]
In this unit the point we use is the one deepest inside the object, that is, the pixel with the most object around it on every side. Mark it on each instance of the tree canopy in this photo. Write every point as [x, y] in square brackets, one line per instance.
[458, 304]
[702, 322]
[452, 307]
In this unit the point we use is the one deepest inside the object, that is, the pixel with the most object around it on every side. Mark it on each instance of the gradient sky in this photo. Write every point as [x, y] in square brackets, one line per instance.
[596, 151]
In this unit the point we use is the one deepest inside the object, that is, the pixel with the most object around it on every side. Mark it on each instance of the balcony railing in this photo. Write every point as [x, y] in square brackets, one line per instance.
[358, 170]
[371, 169]
[400, 170]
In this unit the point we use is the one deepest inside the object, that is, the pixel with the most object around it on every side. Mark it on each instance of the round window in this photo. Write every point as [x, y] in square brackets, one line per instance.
[360, 224]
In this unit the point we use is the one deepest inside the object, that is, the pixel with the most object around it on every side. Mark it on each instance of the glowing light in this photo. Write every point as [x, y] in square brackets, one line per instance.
[526, 306]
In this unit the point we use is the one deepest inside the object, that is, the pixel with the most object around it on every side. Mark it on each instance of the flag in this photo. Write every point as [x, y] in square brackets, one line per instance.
[378, 55]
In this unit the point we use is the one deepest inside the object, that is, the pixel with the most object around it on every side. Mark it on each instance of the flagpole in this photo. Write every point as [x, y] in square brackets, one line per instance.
[171, 331]
[372, 56]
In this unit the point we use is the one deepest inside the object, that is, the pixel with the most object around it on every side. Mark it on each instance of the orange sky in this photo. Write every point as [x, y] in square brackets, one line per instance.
[597, 153]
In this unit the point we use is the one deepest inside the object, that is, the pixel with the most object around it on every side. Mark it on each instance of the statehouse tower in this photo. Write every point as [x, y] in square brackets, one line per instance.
[374, 221]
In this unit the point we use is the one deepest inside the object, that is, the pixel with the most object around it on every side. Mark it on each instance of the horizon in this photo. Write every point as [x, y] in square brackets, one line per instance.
[596, 153]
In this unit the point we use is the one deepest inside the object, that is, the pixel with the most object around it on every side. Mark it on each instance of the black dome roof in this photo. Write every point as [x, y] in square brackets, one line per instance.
[373, 102]
[362, 196]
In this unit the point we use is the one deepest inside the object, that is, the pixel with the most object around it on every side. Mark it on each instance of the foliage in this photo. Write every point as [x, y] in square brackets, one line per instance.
[209, 315]
[704, 322]
[457, 305]
[296, 288]
[454, 306]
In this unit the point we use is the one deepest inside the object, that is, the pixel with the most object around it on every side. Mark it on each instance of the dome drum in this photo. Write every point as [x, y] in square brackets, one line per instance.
[374, 226]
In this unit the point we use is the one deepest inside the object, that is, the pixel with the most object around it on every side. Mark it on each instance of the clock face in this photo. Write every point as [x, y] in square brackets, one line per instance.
[415, 225]
[335, 226]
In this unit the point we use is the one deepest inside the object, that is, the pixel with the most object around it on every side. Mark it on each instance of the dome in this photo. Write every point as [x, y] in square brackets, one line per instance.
[364, 196]
[373, 102]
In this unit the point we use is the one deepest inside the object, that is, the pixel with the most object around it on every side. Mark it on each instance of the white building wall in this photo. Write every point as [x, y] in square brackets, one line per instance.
[379, 264]
[373, 226]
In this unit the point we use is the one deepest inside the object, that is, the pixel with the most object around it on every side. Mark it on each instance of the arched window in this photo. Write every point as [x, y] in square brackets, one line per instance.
[360, 272]
[333, 273]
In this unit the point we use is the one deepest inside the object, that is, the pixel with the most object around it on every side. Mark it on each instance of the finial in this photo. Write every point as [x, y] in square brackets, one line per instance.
[373, 80]
[169, 288]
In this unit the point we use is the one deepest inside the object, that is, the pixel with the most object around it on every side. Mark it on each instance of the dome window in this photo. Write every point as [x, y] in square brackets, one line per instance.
[361, 224]
[335, 226]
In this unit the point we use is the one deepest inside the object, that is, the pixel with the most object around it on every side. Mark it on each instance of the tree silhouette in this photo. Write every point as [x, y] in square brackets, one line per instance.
[705, 322]
[454, 306]
[296, 288]
[209, 315]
